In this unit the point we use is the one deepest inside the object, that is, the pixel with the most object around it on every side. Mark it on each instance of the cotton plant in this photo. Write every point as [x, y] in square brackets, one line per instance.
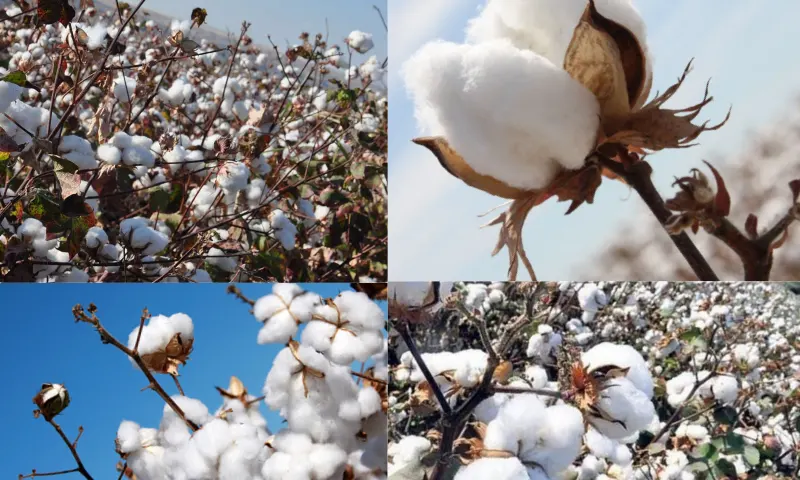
[284, 149]
[621, 405]
[590, 117]
[335, 411]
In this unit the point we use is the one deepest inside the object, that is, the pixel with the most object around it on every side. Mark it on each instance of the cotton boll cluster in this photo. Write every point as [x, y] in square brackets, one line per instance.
[139, 234]
[77, 150]
[334, 424]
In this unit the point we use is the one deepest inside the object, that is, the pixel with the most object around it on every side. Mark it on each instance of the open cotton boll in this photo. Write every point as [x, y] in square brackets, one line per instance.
[622, 356]
[471, 365]
[233, 176]
[494, 468]
[348, 330]
[407, 452]
[560, 439]
[360, 41]
[123, 88]
[109, 153]
[547, 26]
[138, 155]
[680, 387]
[282, 312]
[9, 92]
[624, 403]
[604, 447]
[511, 114]
[283, 229]
[128, 437]
[194, 410]
[723, 388]
[221, 260]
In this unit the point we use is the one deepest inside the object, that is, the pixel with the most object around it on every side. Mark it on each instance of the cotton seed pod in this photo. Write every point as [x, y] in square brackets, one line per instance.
[52, 399]
[176, 353]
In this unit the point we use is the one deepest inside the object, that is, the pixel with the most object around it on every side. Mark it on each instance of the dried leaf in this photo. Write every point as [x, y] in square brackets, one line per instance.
[722, 201]
[653, 128]
[199, 16]
[459, 168]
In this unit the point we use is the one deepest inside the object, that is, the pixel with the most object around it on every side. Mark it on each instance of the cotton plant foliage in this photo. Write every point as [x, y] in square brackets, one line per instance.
[520, 109]
[333, 402]
[665, 381]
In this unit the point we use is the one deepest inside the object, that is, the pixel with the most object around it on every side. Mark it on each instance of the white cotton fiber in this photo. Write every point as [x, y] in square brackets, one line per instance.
[360, 41]
[109, 153]
[123, 88]
[8, 93]
[494, 468]
[128, 437]
[625, 403]
[283, 229]
[510, 113]
[282, 312]
[622, 356]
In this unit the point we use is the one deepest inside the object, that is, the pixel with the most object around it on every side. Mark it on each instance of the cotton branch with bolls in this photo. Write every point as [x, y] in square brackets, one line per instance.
[545, 100]
[663, 381]
[335, 412]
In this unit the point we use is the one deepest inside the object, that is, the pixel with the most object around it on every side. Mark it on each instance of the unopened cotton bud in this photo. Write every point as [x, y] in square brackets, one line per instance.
[52, 399]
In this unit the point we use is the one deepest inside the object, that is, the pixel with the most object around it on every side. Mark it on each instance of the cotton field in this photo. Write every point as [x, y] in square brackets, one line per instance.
[137, 151]
[594, 381]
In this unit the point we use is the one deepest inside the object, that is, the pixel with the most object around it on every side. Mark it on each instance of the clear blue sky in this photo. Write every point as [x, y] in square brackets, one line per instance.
[43, 344]
[746, 47]
[285, 20]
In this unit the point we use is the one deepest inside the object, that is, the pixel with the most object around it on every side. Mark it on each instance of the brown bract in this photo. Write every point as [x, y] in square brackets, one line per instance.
[168, 360]
[607, 59]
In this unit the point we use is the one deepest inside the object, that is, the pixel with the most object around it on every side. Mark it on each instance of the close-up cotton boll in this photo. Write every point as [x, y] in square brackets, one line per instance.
[283, 311]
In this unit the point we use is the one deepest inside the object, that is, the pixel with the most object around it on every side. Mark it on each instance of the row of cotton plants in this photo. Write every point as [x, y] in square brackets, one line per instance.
[235, 162]
[335, 416]
[596, 381]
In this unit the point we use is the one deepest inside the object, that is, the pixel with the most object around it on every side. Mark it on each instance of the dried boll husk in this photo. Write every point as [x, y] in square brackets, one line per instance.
[52, 399]
[175, 354]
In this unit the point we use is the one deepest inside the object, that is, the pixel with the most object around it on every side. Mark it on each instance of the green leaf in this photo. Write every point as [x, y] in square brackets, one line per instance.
[751, 455]
[705, 451]
[734, 443]
[4, 156]
[357, 170]
[691, 334]
[726, 468]
[725, 415]
[330, 196]
[16, 77]
[159, 200]
[65, 165]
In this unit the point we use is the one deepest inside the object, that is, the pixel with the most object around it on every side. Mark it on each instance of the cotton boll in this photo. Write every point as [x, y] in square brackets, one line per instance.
[233, 176]
[282, 311]
[480, 98]
[221, 260]
[559, 440]
[494, 468]
[283, 229]
[360, 41]
[136, 155]
[9, 92]
[625, 403]
[622, 356]
[109, 153]
[407, 452]
[128, 437]
[123, 88]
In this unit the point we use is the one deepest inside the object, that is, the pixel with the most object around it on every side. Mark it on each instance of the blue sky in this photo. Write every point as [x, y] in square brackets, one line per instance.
[285, 20]
[743, 45]
[42, 343]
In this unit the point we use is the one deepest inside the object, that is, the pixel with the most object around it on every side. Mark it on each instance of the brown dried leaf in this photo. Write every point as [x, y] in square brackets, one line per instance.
[503, 372]
[653, 128]
[459, 168]
[722, 201]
